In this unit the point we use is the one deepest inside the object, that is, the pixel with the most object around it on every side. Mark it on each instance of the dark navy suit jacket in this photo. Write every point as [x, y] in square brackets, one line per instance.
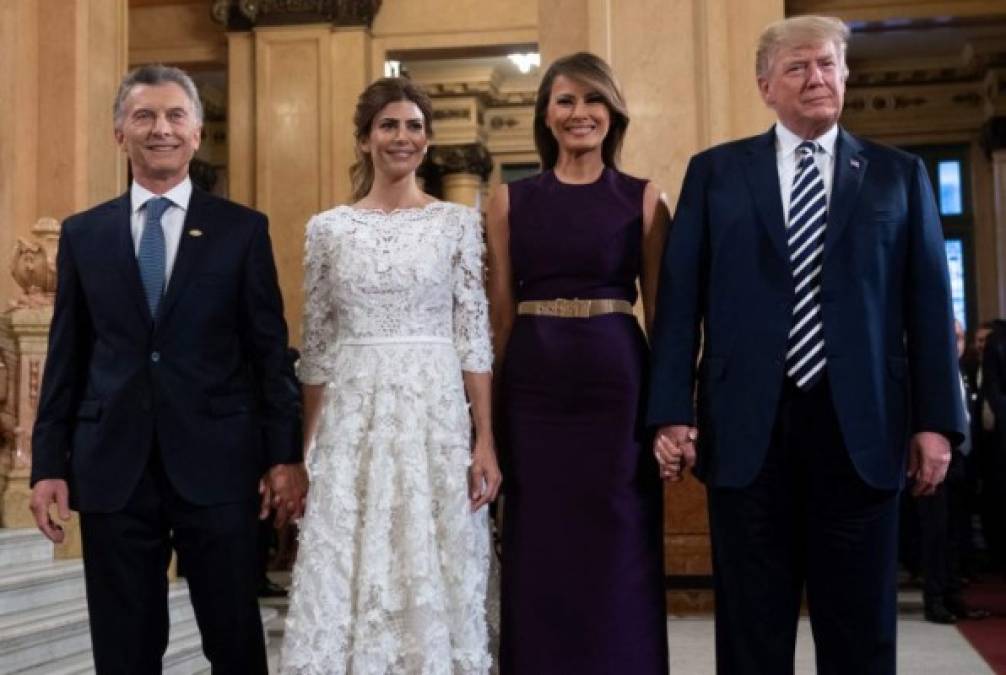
[885, 303]
[209, 380]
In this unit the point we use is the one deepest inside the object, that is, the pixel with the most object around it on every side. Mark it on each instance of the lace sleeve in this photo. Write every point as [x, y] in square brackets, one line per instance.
[471, 309]
[319, 315]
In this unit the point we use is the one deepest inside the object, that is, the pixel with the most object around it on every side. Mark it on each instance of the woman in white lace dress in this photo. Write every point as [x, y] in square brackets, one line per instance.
[391, 574]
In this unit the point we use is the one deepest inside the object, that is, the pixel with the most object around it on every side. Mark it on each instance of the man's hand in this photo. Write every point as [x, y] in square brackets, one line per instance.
[283, 488]
[43, 495]
[928, 459]
[674, 448]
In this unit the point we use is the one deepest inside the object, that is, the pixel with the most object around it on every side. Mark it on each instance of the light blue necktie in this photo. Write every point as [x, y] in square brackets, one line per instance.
[808, 215]
[151, 256]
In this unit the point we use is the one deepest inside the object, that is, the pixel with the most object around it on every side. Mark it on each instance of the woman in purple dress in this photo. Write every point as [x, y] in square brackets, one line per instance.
[583, 581]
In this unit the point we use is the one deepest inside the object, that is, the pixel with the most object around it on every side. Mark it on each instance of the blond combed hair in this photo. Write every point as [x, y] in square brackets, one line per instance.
[798, 31]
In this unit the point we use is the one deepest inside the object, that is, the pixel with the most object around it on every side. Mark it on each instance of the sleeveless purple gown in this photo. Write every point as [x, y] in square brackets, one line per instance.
[583, 580]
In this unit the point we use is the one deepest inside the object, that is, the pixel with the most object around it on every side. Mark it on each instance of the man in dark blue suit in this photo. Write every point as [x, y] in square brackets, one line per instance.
[807, 267]
[168, 400]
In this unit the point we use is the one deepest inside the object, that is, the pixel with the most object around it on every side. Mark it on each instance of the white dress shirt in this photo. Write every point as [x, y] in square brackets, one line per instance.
[786, 143]
[171, 222]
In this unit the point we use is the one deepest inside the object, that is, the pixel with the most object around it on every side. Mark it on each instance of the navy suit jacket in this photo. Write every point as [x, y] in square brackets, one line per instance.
[209, 380]
[727, 286]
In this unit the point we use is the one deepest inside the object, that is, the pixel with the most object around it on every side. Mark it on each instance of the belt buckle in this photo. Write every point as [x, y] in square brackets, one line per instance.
[572, 308]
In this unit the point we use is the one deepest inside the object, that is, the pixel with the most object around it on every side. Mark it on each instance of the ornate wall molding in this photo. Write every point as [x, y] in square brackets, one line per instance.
[248, 14]
[33, 265]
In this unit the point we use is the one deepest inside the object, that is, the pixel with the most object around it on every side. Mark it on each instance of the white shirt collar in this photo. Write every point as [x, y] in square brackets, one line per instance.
[179, 195]
[788, 141]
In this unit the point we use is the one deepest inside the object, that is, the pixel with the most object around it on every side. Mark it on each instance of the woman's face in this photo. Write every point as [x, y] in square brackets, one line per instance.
[577, 116]
[397, 140]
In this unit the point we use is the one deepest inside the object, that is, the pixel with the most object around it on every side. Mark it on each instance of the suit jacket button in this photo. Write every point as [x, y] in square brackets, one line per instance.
[155, 356]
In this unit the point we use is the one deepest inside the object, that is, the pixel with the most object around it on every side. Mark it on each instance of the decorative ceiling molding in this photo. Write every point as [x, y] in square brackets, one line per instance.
[248, 14]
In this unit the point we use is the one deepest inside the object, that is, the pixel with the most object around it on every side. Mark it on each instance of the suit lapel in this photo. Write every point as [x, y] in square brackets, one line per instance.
[190, 249]
[125, 254]
[763, 180]
[850, 167]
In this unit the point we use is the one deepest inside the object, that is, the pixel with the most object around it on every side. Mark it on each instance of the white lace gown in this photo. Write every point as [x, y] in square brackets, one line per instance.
[391, 574]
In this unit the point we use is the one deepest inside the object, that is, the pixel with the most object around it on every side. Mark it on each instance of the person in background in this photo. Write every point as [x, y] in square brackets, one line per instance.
[945, 526]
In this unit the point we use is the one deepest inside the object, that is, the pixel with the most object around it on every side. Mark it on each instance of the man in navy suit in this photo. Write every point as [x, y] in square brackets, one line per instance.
[168, 400]
[807, 267]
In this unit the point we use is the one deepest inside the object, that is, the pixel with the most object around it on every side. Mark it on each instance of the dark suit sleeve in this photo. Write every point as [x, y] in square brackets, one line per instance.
[675, 341]
[265, 339]
[70, 340]
[932, 350]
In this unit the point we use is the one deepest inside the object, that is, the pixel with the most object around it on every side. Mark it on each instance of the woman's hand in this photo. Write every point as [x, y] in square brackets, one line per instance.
[484, 477]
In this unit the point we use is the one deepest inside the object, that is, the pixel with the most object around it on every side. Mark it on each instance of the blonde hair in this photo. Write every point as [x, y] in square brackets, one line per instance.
[592, 71]
[373, 99]
[797, 31]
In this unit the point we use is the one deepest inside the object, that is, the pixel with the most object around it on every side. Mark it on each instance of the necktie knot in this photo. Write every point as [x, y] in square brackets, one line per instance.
[807, 148]
[155, 207]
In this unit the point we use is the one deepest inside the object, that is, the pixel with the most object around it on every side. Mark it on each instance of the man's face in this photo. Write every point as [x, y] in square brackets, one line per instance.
[159, 132]
[805, 85]
[962, 340]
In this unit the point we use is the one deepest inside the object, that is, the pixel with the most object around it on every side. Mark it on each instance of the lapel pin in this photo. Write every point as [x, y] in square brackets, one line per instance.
[195, 233]
[854, 162]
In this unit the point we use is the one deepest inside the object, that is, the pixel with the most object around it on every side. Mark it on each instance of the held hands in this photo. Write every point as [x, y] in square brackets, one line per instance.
[284, 490]
[43, 495]
[674, 448]
[484, 477]
[928, 460]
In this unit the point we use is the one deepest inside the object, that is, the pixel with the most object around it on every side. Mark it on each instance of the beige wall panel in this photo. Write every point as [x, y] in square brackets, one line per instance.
[293, 141]
[408, 17]
[175, 33]
[351, 73]
[61, 148]
[564, 27]
[241, 118]
[18, 129]
[106, 63]
[658, 77]
[879, 10]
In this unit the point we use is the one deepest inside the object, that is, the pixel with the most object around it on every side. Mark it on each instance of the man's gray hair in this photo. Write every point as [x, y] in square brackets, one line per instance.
[153, 75]
[798, 31]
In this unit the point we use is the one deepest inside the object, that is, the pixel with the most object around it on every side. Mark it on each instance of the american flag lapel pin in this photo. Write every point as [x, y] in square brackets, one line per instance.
[854, 162]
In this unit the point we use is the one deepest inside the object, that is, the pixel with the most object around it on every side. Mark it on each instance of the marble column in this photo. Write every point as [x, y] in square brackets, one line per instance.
[293, 82]
[60, 65]
[999, 196]
[463, 170]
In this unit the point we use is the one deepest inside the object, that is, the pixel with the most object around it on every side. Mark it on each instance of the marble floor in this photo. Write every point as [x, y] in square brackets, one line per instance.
[923, 648]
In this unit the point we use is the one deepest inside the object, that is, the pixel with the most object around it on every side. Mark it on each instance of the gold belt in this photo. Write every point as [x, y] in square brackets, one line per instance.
[573, 308]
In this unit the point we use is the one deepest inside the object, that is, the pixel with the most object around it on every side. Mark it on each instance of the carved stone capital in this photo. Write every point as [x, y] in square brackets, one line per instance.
[247, 14]
[472, 158]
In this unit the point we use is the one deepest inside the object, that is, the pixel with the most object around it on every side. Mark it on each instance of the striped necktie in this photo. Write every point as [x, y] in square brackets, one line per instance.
[808, 214]
[151, 255]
